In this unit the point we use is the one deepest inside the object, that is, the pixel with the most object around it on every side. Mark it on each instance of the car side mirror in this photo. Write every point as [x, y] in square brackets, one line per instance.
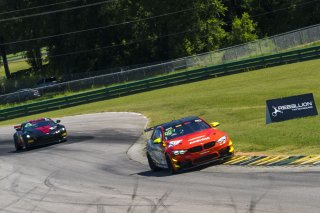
[215, 124]
[157, 140]
[58, 121]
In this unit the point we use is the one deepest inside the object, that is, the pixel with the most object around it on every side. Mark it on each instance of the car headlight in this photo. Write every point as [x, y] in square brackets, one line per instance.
[28, 136]
[61, 130]
[179, 152]
[222, 139]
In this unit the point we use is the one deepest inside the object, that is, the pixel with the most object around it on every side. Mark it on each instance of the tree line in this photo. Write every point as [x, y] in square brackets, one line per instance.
[89, 35]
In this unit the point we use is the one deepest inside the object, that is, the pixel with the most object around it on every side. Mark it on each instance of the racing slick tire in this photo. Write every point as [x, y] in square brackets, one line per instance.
[64, 140]
[26, 146]
[152, 166]
[171, 168]
[16, 145]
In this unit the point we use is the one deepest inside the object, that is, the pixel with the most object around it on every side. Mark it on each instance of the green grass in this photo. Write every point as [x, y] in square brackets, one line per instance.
[20, 55]
[236, 101]
[19, 64]
[15, 66]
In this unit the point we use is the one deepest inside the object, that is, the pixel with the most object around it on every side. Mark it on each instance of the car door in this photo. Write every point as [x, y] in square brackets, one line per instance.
[157, 149]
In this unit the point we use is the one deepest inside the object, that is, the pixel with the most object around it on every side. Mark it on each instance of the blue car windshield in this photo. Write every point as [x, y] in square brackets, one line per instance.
[185, 129]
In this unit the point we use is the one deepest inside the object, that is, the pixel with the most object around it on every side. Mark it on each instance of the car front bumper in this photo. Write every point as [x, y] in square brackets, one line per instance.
[46, 139]
[191, 160]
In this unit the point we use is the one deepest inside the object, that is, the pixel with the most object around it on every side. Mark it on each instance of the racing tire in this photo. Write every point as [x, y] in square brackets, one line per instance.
[171, 169]
[26, 146]
[17, 146]
[152, 165]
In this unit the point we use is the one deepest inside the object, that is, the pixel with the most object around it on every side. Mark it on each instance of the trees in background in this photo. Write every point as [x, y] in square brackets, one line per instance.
[127, 32]
[242, 30]
[4, 35]
[279, 16]
[3, 54]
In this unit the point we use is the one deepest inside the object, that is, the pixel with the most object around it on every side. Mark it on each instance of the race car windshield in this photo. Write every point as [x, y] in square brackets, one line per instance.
[39, 124]
[185, 129]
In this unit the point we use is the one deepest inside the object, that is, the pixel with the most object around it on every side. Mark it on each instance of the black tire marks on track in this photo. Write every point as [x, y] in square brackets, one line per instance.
[18, 199]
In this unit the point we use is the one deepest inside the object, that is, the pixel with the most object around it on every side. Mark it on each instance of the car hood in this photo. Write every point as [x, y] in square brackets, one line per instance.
[42, 130]
[195, 139]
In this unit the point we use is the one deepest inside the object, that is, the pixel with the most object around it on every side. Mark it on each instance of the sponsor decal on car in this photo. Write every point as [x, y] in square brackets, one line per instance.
[192, 139]
[44, 129]
[198, 139]
[203, 153]
[174, 143]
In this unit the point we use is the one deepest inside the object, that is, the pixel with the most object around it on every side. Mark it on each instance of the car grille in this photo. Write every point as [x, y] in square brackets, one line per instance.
[209, 145]
[195, 149]
[47, 138]
[200, 148]
[205, 158]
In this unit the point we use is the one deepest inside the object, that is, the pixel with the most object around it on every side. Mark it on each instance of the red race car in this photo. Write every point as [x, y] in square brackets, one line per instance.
[187, 143]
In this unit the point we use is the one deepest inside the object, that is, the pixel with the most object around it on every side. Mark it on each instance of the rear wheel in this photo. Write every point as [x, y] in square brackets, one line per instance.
[171, 168]
[152, 166]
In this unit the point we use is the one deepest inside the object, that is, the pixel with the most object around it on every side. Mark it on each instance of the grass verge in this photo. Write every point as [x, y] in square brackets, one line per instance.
[236, 101]
[15, 66]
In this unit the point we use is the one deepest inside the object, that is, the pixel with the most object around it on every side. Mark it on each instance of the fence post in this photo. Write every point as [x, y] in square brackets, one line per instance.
[259, 43]
[3, 117]
[300, 36]
[26, 110]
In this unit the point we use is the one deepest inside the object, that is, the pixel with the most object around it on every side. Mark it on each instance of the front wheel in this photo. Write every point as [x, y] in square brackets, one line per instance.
[171, 168]
[152, 166]
[17, 145]
[63, 140]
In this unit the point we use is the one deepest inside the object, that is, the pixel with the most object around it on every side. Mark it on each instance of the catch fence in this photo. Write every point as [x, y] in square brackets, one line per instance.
[161, 82]
[282, 43]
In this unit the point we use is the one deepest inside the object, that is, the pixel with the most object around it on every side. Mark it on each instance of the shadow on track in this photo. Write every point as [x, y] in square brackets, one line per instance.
[164, 172]
[7, 146]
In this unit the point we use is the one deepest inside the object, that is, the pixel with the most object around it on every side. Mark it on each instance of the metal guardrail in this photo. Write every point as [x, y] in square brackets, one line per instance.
[160, 82]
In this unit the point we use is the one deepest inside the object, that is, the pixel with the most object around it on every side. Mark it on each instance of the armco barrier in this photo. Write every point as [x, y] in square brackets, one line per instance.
[160, 82]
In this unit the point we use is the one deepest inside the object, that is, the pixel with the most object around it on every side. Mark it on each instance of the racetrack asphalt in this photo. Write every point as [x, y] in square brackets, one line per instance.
[95, 172]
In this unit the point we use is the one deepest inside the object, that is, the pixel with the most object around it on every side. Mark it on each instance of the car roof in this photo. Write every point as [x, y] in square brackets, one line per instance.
[173, 123]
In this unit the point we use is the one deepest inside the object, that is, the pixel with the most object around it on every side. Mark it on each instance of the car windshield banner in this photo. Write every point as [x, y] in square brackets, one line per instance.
[283, 109]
